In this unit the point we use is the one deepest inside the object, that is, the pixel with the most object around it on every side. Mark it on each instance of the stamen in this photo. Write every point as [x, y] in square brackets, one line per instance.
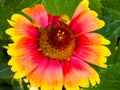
[57, 41]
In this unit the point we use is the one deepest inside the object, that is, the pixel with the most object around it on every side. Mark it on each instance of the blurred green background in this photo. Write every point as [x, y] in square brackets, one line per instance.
[108, 10]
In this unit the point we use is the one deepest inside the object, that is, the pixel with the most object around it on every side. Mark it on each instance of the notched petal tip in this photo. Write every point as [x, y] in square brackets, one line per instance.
[84, 3]
[104, 66]
[103, 40]
[107, 41]
[93, 13]
[19, 74]
[84, 19]
[12, 23]
[108, 52]
[10, 31]
[11, 62]
[101, 23]
[15, 17]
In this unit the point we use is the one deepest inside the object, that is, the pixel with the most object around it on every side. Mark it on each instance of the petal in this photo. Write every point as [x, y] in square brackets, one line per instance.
[93, 54]
[53, 77]
[91, 39]
[48, 75]
[38, 13]
[72, 88]
[97, 38]
[21, 66]
[53, 19]
[22, 27]
[37, 75]
[101, 50]
[84, 19]
[23, 46]
[16, 38]
[14, 65]
[72, 76]
[86, 72]
[80, 74]
[89, 48]
[83, 5]
[13, 32]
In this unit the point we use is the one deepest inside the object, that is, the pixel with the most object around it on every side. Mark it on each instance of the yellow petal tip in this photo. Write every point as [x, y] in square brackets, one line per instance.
[11, 22]
[84, 3]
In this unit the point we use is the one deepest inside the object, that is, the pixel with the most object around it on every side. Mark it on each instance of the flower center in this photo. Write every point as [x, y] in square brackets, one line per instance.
[57, 41]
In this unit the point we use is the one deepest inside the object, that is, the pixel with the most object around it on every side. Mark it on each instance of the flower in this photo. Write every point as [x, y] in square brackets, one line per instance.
[53, 51]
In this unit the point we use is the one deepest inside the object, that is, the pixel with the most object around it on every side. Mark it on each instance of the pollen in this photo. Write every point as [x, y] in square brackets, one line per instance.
[57, 41]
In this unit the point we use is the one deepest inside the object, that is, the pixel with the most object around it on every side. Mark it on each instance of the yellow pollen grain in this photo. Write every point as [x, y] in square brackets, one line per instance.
[60, 35]
[60, 38]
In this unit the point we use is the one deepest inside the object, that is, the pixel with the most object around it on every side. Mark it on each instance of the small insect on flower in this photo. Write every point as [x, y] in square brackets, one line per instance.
[52, 53]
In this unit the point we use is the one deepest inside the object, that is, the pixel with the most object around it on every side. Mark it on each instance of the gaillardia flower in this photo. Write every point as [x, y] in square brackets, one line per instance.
[53, 51]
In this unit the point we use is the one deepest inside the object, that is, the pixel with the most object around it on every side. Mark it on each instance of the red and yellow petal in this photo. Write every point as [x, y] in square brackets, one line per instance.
[53, 19]
[21, 66]
[91, 39]
[48, 75]
[22, 52]
[36, 76]
[96, 54]
[38, 14]
[23, 46]
[22, 27]
[85, 20]
[24, 64]
[79, 74]
[53, 77]
[13, 31]
[90, 48]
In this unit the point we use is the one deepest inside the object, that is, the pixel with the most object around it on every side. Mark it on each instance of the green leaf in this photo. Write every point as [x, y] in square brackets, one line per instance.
[5, 88]
[112, 4]
[110, 78]
[111, 14]
[111, 30]
[5, 71]
[58, 7]
[5, 84]
[96, 6]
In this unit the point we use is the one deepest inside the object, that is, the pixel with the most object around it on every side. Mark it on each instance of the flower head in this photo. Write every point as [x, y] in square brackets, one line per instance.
[53, 51]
